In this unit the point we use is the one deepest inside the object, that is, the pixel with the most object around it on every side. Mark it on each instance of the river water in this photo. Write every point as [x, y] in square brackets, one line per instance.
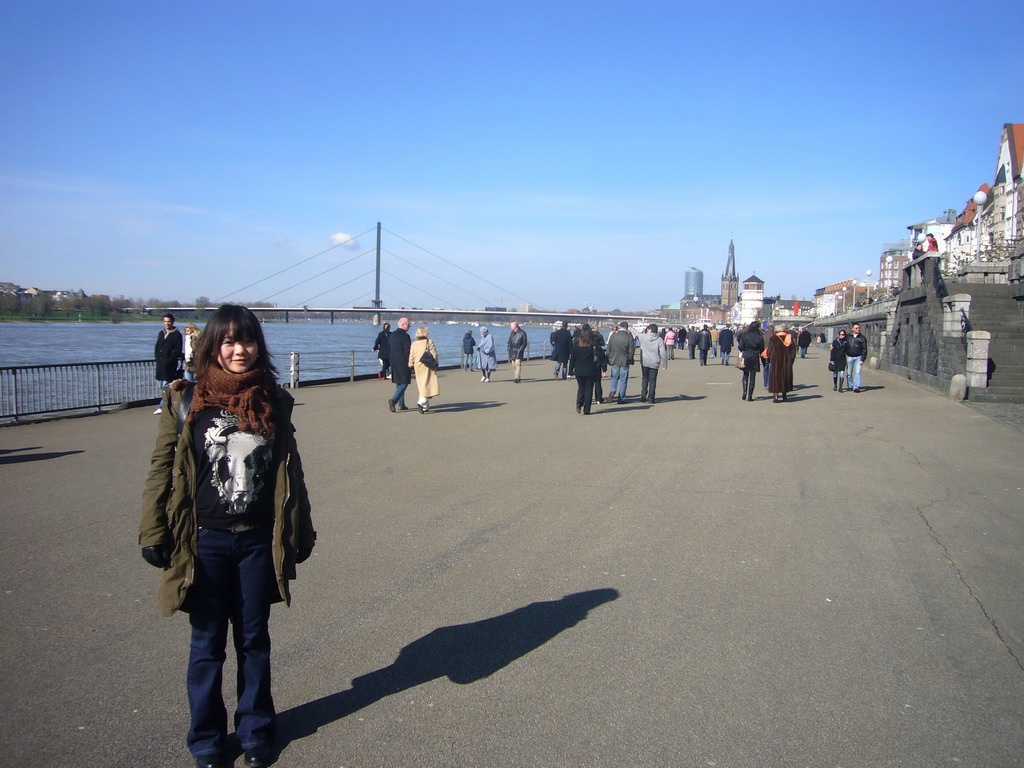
[325, 349]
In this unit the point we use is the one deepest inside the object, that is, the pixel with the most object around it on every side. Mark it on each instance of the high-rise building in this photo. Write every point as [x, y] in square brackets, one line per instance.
[730, 280]
[694, 285]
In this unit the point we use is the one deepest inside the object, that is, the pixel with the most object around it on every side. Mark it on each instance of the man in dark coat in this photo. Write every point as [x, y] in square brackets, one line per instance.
[468, 345]
[516, 350]
[399, 344]
[168, 353]
[804, 341]
[725, 340]
[561, 346]
[703, 344]
[383, 350]
[691, 341]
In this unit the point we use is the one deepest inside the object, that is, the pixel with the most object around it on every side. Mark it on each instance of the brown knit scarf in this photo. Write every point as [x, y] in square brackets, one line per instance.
[247, 395]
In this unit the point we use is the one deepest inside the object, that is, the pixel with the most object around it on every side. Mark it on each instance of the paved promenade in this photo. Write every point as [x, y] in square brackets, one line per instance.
[833, 581]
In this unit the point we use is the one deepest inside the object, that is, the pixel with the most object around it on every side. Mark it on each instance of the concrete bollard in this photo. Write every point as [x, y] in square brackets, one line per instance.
[977, 358]
[958, 387]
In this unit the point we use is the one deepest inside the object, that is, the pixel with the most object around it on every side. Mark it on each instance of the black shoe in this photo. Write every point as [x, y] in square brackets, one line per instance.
[209, 761]
[391, 405]
[643, 399]
[258, 757]
[857, 389]
[833, 387]
[402, 408]
[743, 396]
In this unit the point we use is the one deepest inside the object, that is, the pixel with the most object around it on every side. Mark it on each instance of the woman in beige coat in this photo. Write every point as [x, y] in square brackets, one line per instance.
[426, 376]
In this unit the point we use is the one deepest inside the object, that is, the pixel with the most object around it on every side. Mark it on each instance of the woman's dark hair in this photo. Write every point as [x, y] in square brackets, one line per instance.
[585, 338]
[232, 320]
[754, 327]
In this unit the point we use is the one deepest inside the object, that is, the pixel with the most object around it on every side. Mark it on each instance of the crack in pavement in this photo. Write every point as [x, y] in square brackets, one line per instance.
[956, 568]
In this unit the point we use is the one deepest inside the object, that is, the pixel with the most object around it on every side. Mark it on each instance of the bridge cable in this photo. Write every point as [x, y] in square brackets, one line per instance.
[339, 285]
[395, 277]
[446, 261]
[336, 245]
[437, 277]
[314, 277]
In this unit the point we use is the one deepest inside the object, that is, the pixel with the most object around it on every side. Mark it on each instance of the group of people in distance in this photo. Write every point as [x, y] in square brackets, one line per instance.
[585, 355]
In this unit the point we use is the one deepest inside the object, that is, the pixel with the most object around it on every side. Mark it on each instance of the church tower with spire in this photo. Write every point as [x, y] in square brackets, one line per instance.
[730, 280]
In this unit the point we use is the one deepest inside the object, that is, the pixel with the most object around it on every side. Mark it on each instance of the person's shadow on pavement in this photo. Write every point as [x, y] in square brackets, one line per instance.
[463, 653]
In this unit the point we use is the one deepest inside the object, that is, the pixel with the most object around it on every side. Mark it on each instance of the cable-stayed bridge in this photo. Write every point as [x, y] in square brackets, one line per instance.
[466, 305]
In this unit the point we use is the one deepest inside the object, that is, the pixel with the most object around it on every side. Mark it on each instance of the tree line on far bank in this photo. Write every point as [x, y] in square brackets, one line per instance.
[49, 305]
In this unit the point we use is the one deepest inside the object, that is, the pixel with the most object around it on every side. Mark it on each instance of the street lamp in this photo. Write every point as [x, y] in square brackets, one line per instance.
[980, 198]
[868, 282]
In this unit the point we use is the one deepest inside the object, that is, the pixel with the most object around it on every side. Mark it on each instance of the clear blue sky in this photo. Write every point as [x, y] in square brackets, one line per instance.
[564, 152]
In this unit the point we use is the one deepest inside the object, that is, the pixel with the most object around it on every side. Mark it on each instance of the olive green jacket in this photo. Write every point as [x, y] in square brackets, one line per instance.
[169, 511]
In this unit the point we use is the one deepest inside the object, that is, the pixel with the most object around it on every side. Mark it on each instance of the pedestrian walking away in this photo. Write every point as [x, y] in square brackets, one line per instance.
[766, 364]
[226, 517]
[750, 345]
[703, 344]
[380, 346]
[561, 345]
[653, 358]
[725, 340]
[423, 361]
[468, 355]
[399, 344]
[620, 353]
[584, 366]
[691, 341]
[781, 352]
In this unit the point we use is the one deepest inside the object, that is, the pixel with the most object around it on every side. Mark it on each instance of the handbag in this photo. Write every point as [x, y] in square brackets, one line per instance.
[428, 360]
[832, 366]
[740, 363]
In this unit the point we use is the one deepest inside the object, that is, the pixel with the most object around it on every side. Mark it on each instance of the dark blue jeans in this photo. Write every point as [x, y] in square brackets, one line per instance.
[234, 581]
[399, 396]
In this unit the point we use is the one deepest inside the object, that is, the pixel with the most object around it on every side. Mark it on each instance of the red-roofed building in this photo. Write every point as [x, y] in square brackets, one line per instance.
[1000, 222]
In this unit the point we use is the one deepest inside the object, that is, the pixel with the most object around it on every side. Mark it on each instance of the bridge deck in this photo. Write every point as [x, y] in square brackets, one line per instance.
[831, 581]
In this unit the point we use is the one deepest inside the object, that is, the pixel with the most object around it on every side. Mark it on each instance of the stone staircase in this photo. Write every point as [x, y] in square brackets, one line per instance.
[993, 309]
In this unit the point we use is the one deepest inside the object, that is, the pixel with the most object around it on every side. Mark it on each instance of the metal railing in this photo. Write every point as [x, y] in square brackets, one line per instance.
[28, 390]
[34, 390]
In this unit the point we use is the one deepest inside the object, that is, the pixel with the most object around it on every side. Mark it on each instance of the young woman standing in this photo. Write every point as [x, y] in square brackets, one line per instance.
[227, 517]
